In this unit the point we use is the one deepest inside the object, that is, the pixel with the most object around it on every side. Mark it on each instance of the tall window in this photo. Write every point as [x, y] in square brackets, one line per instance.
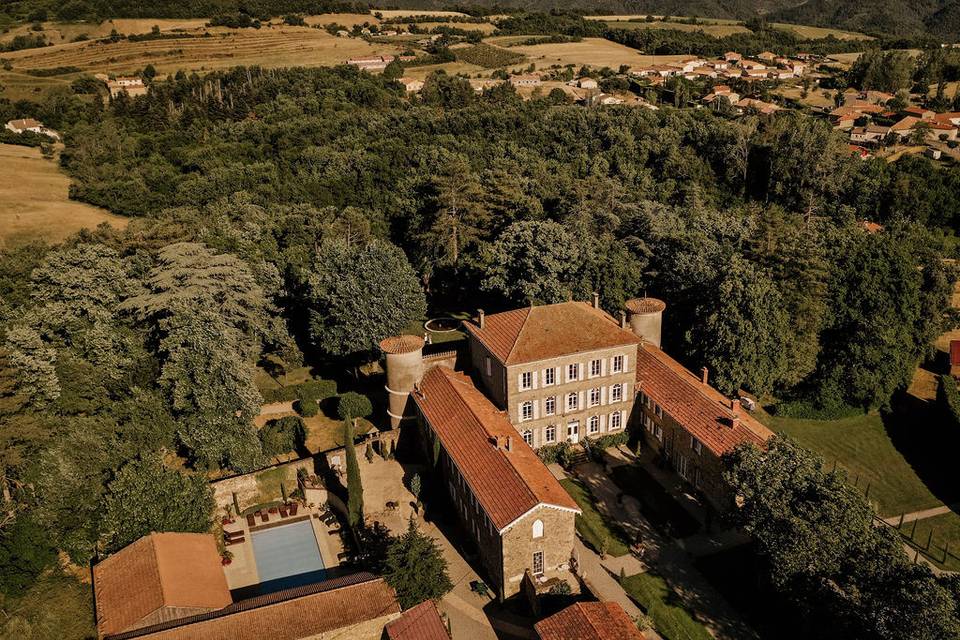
[526, 380]
[616, 393]
[528, 437]
[526, 411]
[489, 366]
[538, 528]
[573, 401]
[593, 425]
[538, 563]
[594, 397]
[696, 446]
[657, 409]
[550, 433]
[549, 376]
[616, 420]
[550, 405]
[595, 368]
[573, 372]
[617, 364]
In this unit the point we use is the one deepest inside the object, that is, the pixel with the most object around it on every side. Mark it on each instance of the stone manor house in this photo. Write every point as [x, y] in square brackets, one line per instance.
[538, 376]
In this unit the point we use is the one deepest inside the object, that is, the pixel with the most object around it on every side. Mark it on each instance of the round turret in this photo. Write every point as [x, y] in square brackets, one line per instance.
[645, 316]
[404, 356]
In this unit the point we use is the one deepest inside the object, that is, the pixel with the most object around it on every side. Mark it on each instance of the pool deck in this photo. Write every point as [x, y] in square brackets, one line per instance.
[242, 571]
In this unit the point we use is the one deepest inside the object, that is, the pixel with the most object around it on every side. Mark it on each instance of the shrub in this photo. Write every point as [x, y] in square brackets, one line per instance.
[307, 408]
[354, 405]
[559, 453]
[813, 410]
[282, 435]
[316, 390]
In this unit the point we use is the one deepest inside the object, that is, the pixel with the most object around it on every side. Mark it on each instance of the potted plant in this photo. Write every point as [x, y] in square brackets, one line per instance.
[226, 557]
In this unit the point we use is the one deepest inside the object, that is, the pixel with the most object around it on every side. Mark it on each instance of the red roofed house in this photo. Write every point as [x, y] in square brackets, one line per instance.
[422, 622]
[171, 586]
[589, 621]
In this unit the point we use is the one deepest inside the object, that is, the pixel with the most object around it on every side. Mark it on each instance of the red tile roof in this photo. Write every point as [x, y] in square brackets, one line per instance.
[161, 570]
[954, 353]
[645, 305]
[401, 344]
[698, 408]
[589, 621]
[549, 331]
[507, 484]
[422, 622]
[294, 614]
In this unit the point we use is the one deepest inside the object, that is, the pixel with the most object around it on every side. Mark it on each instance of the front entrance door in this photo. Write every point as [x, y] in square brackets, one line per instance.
[573, 432]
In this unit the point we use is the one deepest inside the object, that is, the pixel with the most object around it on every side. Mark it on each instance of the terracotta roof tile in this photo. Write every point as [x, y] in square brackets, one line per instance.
[401, 344]
[549, 331]
[589, 621]
[645, 305]
[294, 614]
[422, 622]
[506, 483]
[699, 408]
[160, 570]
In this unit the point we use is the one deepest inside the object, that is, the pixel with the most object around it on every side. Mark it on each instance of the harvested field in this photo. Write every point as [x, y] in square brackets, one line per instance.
[34, 202]
[270, 46]
[64, 32]
[805, 31]
[595, 52]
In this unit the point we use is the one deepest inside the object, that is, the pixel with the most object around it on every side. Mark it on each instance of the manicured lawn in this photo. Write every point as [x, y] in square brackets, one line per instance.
[657, 505]
[592, 526]
[863, 446]
[664, 607]
[57, 606]
[945, 532]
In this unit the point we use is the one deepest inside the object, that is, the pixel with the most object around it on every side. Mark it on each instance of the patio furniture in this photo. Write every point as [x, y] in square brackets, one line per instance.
[231, 541]
[283, 512]
[250, 520]
[264, 517]
[293, 509]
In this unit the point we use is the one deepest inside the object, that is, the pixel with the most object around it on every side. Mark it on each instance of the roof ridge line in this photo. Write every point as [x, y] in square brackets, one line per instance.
[516, 341]
[697, 386]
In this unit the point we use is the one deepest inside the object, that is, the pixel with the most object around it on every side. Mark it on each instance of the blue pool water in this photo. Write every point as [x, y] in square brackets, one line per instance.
[287, 556]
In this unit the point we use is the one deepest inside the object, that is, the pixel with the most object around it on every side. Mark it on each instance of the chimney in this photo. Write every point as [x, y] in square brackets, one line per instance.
[596, 300]
[623, 319]
[734, 421]
[735, 407]
[509, 443]
[480, 317]
[704, 375]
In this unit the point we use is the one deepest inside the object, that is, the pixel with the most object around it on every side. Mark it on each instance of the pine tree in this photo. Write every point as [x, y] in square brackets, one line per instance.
[416, 568]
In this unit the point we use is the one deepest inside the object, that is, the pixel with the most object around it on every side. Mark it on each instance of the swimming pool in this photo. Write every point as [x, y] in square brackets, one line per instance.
[287, 555]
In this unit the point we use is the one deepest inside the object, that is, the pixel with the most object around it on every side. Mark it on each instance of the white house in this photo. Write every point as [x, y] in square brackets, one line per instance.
[31, 125]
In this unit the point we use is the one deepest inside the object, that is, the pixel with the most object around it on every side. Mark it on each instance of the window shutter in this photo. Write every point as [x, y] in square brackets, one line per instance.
[626, 364]
[520, 381]
[536, 409]
[603, 422]
[583, 400]
[603, 366]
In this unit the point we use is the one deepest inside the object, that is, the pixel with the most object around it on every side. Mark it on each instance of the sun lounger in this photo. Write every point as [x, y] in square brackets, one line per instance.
[264, 517]
[232, 541]
[250, 520]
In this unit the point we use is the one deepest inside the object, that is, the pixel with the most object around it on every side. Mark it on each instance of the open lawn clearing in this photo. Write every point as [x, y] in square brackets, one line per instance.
[592, 526]
[815, 97]
[325, 433]
[451, 68]
[863, 446]
[718, 30]
[34, 202]
[664, 606]
[346, 19]
[813, 33]
[943, 534]
[595, 52]
[269, 47]
[56, 606]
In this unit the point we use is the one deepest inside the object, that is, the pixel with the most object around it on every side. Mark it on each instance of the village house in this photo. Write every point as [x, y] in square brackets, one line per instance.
[587, 83]
[171, 586]
[130, 85]
[732, 57]
[589, 621]
[375, 63]
[755, 74]
[526, 80]
[757, 106]
[32, 126]
[412, 85]
[871, 134]
[752, 65]
[767, 56]
[724, 91]
[919, 113]
[878, 97]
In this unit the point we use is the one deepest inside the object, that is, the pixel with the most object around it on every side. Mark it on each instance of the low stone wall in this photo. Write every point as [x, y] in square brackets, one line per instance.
[249, 492]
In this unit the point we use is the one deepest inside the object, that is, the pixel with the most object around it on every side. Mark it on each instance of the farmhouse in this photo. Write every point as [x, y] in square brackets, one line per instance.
[132, 86]
[375, 63]
[31, 125]
[870, 134]
[170, 586]
[527, 80]
[412, 85]
[757, 106]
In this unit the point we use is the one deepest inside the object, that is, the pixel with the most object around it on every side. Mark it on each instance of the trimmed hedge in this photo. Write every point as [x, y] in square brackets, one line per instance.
[282, 435]
[354, 405]
[317, 390]
[559, 453]
[307, 408]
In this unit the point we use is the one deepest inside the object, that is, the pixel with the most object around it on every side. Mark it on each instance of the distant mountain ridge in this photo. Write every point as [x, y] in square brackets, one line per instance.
[877, 17]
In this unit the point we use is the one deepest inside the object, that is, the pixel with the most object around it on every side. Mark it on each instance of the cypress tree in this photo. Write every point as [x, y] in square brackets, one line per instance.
[354, 485]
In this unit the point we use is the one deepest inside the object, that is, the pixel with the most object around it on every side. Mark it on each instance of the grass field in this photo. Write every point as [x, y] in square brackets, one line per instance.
[595, 52]
[61, 32]
[591, 525]
[943, 534]
[863, 447]
[805, 31]
[34, 202]
[718, 30]
[664, 607]
[485, 28]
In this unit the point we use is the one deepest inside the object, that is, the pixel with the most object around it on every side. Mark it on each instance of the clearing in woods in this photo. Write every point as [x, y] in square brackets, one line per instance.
[595, 52]
[34, 203]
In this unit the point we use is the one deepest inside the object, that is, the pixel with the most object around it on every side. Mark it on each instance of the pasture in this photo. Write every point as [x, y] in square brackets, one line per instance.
[64, 32]
[595, 52]
[718, 30]
[34, 204]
